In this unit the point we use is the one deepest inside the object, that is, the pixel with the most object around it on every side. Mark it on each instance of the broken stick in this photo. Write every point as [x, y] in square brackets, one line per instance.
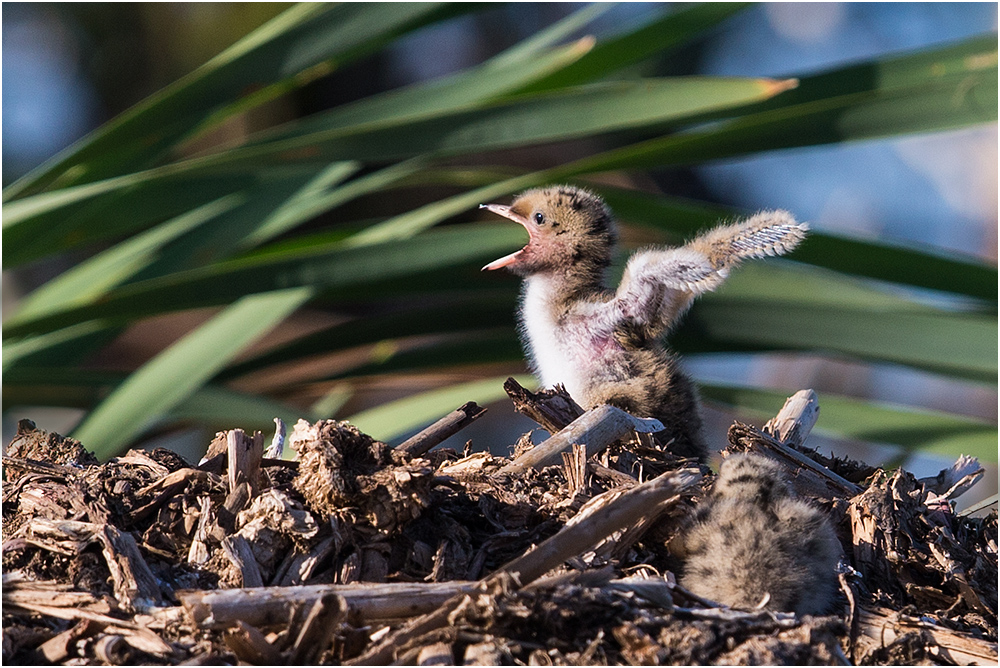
[595, 430]
[446, 427]
[796, 419]
[267, 606]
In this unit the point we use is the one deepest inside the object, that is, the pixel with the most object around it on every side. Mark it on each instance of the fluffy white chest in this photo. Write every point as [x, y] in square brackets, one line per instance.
[551, 357]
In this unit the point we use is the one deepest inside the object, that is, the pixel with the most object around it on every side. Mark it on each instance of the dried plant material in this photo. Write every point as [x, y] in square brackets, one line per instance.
[48, 447]
[396, 494]
[331, 457]
[367, 555]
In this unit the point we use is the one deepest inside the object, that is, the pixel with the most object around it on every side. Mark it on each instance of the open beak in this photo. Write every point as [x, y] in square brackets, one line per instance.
[506, 212]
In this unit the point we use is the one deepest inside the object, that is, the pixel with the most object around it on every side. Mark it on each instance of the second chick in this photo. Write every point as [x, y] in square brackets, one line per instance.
[754, 540]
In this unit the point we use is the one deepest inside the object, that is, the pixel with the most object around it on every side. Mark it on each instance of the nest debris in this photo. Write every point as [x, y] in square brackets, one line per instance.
[358, 553]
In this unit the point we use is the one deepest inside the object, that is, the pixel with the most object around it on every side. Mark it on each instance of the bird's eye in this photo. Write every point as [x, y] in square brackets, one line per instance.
[539, 218]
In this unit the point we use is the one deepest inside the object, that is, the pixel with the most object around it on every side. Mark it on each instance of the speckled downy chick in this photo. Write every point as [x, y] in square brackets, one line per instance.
[753, 540]
[604, 346]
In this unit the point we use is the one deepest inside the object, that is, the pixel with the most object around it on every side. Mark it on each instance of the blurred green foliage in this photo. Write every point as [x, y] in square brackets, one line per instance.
[235, 226]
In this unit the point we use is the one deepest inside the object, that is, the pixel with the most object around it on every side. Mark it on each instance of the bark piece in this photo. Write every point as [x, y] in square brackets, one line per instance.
[552, 409]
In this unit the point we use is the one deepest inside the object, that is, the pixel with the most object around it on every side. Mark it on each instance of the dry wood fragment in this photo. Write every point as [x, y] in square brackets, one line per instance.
[225, 517]
[325, 615]
[795, 420]
[449, 425]
[299, 567]
[113, 650]
[166, 487]
[623, 512]
[62, 646]
[244, 455]
[438, 654]
[198, 552]
[250, 645]
[552, 409]
[595, 430]
[267, 606]
[879, 627]
[616, 478]
[239, 552]
[483, 654]
[277, 446]
[40, 467]
[807, 476]
[136, 635]
[135, 585]
[575, 468]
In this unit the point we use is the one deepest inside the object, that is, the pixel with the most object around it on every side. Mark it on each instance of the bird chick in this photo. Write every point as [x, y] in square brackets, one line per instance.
[754, 542]
[602, 345]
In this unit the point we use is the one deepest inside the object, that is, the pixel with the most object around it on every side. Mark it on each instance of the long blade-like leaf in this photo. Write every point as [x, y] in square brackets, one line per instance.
[326, 267]
[176, 373]
[652, 38]
[303, 37]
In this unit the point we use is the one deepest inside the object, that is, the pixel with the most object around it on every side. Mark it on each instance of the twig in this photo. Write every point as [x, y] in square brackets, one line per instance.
[447, 426]
[277, 445]
[807, 476]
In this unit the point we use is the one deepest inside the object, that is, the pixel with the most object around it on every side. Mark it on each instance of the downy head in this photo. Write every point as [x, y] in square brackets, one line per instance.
[570, 233]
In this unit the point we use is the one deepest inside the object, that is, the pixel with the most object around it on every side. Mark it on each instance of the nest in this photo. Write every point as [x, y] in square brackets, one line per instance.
[566, 553]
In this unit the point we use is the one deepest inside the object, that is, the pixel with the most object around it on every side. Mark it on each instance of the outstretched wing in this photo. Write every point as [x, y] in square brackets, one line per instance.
[659, 284]
[764, 234]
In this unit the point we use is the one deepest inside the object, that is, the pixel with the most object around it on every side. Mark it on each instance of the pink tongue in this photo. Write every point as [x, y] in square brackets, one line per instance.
[502, 262]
